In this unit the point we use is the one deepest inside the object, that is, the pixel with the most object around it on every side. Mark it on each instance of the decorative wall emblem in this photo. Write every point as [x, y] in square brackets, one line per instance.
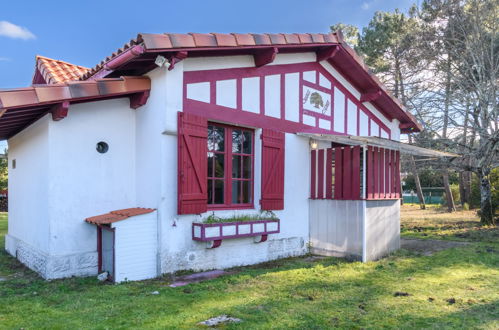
[316, 101]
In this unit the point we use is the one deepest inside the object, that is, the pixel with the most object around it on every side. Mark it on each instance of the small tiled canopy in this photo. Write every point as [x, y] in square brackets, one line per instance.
[118, 215]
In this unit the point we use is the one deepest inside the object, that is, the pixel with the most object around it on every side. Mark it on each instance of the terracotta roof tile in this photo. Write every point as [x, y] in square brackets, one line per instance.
[225, 40]
[244, 39]
[56, 71]
[118, 215]
[21, 106]
[277, 39]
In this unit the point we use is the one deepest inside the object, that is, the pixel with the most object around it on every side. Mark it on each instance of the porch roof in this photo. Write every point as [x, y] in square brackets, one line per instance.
[378, 142]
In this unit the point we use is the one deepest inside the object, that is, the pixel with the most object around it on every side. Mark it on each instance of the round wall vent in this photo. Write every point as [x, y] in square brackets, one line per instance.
[102, 147]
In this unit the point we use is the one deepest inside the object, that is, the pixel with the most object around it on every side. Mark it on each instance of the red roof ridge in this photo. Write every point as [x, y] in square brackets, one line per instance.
[118, 215]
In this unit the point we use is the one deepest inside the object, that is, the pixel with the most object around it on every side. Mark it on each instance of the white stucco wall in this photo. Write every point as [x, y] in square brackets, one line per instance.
[28, 231]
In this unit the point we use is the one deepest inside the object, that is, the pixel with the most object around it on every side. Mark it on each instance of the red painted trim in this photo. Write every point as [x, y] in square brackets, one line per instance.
[316, 114]
[139, 99]
[329, 173]
[60, 111]
[265, 56]
[273, 160]
[347, 173]
[355, 195]
[327, 53]
[397, 174]
[317, 86]
[382, 173]
[283, 96]
[239, 73]
[376, 173]
[320, 169]
[239, 93]
[370, 172]
[313, 179]
[124, 57]
[338, 173]
[387, 173]
[202, 228]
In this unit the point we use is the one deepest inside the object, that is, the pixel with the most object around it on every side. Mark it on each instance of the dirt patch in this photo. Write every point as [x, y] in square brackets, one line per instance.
[428, 246]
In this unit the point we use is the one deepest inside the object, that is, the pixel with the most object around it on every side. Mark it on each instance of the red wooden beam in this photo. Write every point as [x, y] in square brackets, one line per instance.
[139, 99]
[370, 173]
[376, 173]
[60, 111]
[347, 173]
[370, 96]
[327, 53]
[356, 172]
[175, 58]
[320, 169]
[313, 179]
[329, 173]
[387, 173]
[265, 56]
[338, 173]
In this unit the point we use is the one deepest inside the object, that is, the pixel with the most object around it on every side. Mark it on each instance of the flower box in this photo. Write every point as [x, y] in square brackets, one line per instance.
[216, 232]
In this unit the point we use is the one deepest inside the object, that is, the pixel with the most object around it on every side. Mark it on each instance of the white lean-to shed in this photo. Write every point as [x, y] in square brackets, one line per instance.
[127, 244]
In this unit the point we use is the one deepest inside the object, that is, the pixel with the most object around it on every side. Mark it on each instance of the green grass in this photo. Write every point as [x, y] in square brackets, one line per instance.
[292, 293]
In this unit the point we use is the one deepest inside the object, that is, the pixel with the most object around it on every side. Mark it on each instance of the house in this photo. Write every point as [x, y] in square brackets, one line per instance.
[285, 141]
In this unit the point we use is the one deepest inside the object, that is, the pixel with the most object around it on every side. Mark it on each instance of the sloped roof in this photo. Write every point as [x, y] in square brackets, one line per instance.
[118, 215]
[57, 71]
[21, 106]
[137, 57]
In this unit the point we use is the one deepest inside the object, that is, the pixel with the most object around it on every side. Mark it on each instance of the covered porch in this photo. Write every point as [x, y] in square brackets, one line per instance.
[355, 194]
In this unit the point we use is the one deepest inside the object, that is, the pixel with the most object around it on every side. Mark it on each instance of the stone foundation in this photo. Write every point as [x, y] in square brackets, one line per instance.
[52, 267]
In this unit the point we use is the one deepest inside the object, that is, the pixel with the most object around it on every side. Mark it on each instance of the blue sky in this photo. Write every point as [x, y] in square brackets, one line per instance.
[86, 31]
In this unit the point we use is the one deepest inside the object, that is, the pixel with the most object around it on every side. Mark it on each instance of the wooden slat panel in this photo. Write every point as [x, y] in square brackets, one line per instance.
[320, 176]
[370, 172]
[397, 174]
[347, 173]
[381, 173]
[356, 172]
[313, 179]
[338, 174]
[387, 174]
[376, 173]
[329, 173]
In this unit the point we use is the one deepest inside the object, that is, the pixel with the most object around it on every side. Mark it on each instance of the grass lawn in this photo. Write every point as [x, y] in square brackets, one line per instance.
[454, 288]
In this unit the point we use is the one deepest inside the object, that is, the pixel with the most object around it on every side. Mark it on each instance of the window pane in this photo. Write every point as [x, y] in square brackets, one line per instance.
[236, 166]
[237, 139]
[246, 198]
[216, 137]
[211, 155]
[210, 192]
[247, 149]
[246, 167]
[236, 192]
[219, 165]
[219, 191]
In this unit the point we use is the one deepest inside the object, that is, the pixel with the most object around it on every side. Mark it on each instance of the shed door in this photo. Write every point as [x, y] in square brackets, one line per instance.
[108, 251]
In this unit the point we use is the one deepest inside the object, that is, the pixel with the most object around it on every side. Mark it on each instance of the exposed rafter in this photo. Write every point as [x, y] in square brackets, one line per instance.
[60, 111]
[139, 99]
[370, 96]
[175, 58]
[265, 56]
[326, 53]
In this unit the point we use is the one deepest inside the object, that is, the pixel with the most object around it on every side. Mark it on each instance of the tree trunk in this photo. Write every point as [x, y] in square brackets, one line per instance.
[415, 173]
[448, 193]
[486, 208]
[419, 191]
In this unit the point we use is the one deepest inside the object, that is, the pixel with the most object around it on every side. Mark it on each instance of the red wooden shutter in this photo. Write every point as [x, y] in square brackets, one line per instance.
[192, 164]
[272, 170]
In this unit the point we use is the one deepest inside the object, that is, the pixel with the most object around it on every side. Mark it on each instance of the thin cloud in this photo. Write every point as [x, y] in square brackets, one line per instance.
[13, 31]
[4, 59]
[365, 5]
